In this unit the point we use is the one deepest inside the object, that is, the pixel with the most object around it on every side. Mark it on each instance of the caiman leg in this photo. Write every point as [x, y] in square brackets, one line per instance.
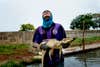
[43, 54]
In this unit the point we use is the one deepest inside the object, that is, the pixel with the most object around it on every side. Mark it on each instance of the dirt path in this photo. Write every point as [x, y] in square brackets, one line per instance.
[18, 55]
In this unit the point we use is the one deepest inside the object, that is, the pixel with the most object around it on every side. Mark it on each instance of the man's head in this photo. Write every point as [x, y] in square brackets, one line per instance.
[47, 19]
[46, 14]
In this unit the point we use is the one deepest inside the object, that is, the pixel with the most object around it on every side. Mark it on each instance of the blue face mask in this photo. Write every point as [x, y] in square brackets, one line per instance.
[47, 22]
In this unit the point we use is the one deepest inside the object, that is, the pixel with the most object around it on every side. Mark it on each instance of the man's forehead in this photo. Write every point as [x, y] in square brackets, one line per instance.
[46, 11]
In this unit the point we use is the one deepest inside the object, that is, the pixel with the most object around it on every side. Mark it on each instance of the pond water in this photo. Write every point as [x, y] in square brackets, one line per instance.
[89, 59]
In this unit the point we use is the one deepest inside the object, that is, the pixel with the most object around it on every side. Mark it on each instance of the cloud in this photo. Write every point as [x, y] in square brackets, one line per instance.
[13, 13]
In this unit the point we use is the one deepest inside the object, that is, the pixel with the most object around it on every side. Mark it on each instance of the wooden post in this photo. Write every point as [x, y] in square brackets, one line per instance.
[83, 41]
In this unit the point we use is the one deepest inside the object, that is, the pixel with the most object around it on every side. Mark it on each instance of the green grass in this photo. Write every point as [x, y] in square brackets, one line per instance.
[89, 40]
[12, 64]
[92, 39]
[9, 49]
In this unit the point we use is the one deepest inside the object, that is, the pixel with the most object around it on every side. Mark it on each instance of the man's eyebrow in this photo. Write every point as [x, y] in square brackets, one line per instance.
[46, 12]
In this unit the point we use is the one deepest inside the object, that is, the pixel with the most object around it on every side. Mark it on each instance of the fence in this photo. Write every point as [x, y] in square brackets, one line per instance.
[27, 36]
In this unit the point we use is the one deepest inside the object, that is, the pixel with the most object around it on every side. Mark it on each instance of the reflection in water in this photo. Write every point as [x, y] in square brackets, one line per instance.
[35, 65]
[90, 59]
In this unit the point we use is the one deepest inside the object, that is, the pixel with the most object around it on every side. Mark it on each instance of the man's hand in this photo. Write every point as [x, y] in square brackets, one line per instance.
[35, 45]
[43, 45]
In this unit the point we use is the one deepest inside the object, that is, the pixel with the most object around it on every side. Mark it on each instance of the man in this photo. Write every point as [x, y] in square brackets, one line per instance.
[49, 30]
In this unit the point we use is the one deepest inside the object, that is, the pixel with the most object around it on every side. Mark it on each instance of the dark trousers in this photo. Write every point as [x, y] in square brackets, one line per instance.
[57, 61]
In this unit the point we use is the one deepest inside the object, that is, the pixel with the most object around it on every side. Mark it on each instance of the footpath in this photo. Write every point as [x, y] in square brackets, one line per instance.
[78, 49]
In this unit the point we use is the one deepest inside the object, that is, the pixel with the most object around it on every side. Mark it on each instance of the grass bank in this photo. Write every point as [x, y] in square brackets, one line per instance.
[88, 40]
[10, 49]
[12, 64]
[11, 55]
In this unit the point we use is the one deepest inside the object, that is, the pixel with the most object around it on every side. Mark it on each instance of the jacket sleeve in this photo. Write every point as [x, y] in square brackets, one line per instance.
[37, 38]
[61, 33]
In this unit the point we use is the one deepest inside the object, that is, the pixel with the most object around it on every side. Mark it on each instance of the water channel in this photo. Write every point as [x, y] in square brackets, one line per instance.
[89, 59]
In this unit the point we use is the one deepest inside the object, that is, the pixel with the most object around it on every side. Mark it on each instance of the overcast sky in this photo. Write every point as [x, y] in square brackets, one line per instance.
[13, 13]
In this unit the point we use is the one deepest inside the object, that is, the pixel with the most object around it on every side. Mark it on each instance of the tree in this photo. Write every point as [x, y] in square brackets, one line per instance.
[78, 22]
[26, 27]
[96, 20]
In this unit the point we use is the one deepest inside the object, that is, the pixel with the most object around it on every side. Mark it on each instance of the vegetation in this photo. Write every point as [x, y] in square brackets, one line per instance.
[77, 23]
[86, 20]
[10, 49]
[12, 55]
[26, 27]
[88, 40]
[96, 20]
[12, 64]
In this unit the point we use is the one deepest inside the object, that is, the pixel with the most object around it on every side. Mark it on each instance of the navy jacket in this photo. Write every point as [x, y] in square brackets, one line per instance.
[55, 31]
